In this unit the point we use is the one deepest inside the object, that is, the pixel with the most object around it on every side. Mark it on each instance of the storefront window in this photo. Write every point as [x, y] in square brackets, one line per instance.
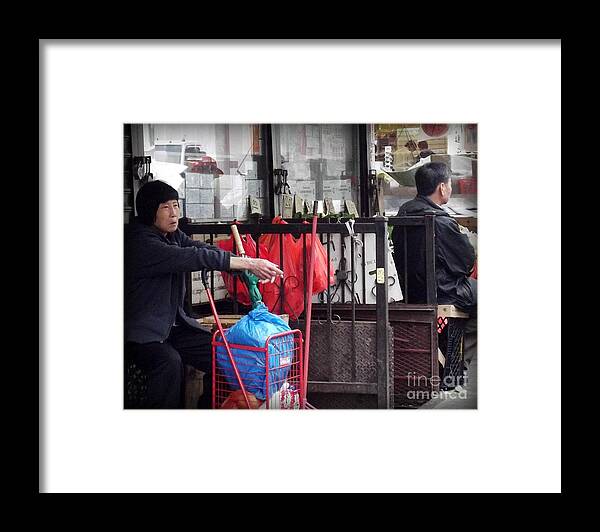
[397, 150]
[321, 161]
[221, 166]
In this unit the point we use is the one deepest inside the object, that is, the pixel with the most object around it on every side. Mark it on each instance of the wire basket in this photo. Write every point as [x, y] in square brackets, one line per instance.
[271, 377]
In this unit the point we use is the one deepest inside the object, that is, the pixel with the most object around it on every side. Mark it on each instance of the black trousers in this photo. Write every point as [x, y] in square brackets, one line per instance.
[164, 363]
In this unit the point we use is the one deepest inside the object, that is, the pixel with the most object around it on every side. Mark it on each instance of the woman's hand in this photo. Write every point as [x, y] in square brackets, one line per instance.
[264, 269]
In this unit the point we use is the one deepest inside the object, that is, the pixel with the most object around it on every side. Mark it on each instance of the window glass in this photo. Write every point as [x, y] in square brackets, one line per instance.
[167, 153]
[399, 149]
[321, 160]
[224, 165]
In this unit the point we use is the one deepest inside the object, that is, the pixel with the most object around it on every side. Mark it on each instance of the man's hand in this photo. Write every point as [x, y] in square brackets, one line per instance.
[264, 269]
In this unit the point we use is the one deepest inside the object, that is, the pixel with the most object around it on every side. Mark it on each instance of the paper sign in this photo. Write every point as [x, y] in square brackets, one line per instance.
[254, 205]
[286, 202]
[298, 205]
[351, 208]
[306, 189]
[329, 209]
[337, 188]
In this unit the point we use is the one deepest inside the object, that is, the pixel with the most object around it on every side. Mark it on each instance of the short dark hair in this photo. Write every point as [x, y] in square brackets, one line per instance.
[429, 176]
[150, 196]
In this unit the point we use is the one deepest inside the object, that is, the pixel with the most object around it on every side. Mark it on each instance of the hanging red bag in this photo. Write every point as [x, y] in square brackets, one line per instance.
[474, 272]
[320, 281]
[235, 286]
[292, 282]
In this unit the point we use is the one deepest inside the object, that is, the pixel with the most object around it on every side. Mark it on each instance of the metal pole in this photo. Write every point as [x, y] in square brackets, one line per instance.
[381, 284]
[311, 270]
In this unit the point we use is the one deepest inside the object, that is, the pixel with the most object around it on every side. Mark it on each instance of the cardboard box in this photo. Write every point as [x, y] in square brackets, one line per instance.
[227, 320]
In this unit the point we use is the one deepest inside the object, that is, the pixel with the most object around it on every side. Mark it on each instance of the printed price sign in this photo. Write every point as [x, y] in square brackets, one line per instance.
[287, 201]
[254, 205]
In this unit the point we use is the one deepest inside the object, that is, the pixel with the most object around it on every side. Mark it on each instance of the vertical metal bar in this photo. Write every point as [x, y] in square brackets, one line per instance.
[404, 232]
[381, 250]
[435, 366]
[268, 152]
[352, 273]
[137, 140]
[282, 281]
[363, 170]
[329, 317]
[304, 270]
[364, 270]
[342, 242]
[328, 286]
[430, 260]
[267, 357]
[235, 283]
[214, 375]
[212, 273]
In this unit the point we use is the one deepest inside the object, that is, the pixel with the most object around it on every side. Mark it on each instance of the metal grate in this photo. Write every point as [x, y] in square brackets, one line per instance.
[343, 352]
[323, 401]
[413, 375]
[451, 345]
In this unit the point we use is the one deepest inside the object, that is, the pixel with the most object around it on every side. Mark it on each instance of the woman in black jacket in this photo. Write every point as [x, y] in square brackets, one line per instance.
[159, 336]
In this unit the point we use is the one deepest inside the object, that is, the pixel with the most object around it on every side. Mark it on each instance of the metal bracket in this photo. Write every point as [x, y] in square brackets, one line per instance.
[141, 168]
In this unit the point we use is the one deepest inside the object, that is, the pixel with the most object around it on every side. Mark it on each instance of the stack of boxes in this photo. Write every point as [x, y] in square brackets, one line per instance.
[211, 197]
[200, 196]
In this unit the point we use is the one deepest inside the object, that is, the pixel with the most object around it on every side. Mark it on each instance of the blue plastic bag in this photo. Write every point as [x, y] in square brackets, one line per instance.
[253, 330]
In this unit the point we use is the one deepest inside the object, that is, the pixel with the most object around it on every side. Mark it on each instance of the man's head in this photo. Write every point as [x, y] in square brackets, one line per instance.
[158, 204]
[433, 180]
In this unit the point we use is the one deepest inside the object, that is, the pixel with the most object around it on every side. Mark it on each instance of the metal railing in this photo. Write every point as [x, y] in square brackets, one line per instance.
[348, 299]
[326, 229]
[410, 223]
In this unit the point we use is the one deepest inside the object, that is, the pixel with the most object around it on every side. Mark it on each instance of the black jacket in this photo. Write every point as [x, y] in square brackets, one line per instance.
[154, 279]
[454, 258]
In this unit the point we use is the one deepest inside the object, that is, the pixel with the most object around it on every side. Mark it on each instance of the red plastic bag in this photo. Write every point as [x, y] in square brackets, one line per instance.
[231, 281]
[292, 282]
[235, 400]
[474, 272]
[320, 270]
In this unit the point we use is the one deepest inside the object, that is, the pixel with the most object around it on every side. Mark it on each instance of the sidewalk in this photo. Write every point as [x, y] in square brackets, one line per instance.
[462, 397]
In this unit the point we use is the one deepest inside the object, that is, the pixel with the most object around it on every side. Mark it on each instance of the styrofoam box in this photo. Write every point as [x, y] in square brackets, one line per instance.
[199, 296]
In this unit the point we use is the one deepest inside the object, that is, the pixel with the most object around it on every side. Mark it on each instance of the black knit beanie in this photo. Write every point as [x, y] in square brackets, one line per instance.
[150, 196]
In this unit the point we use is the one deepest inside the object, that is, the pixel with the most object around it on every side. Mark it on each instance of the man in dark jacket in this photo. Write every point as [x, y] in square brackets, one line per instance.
[454, 254]
[159, 336]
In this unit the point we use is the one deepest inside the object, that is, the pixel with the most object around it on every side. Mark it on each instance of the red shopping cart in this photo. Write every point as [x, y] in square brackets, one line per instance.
[247, 377]
[269, 376]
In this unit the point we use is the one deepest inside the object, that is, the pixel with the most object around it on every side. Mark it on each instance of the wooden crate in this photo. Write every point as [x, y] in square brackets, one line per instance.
[227, 320]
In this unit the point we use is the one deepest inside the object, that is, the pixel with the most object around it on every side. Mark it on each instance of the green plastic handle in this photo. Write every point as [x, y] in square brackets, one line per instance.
[251, 282]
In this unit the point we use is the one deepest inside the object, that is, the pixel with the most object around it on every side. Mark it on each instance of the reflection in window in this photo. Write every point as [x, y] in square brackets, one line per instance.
[225, 164]
[167, 153]
[399, 149]
[321, 160]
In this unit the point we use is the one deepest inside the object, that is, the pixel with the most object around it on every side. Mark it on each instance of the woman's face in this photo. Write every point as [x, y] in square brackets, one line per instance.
[167, 217]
